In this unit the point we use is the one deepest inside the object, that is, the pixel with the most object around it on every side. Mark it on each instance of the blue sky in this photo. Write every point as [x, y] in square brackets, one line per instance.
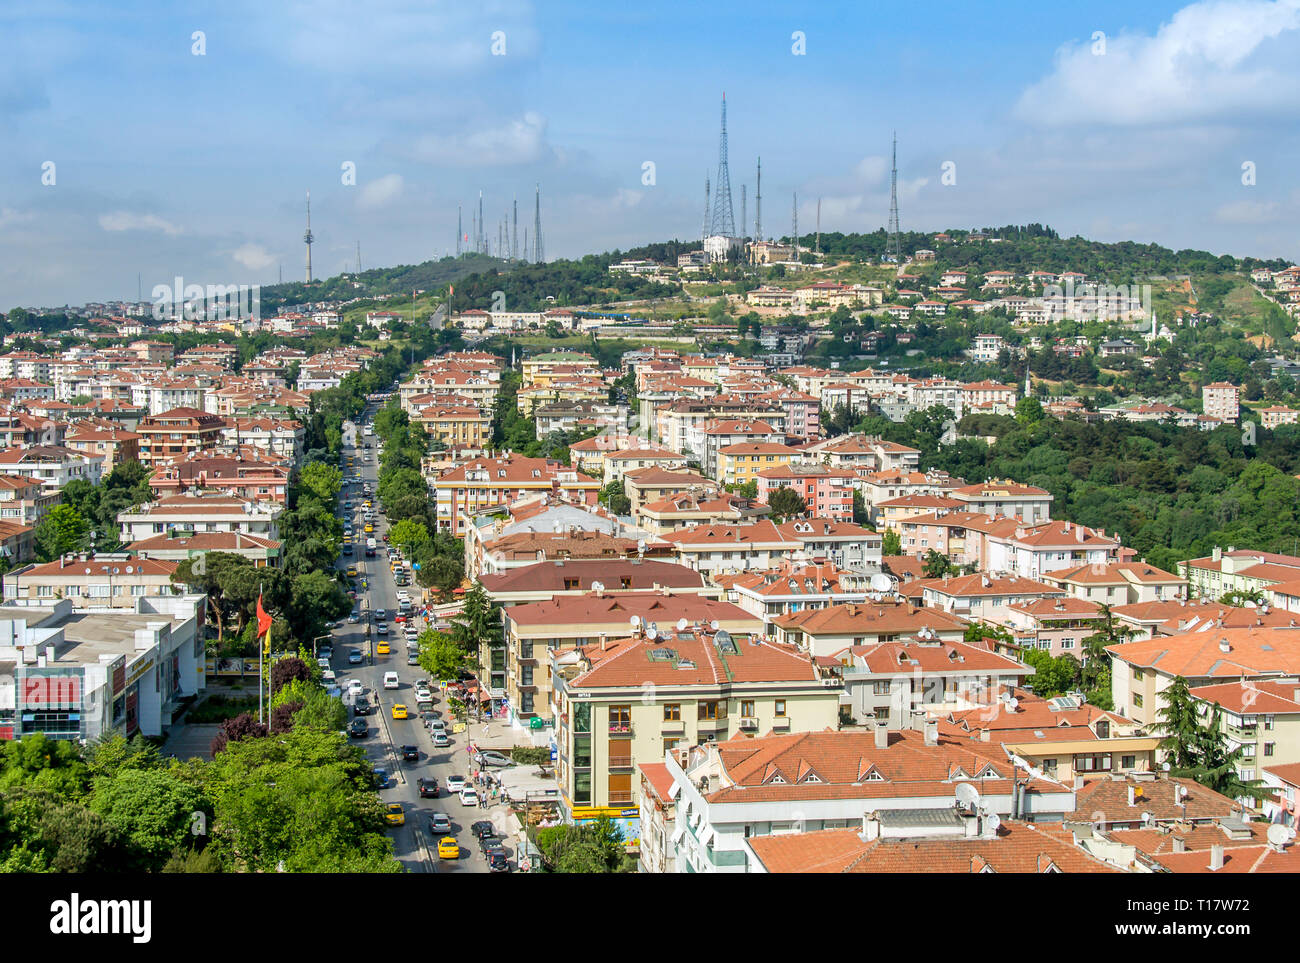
[169, 163]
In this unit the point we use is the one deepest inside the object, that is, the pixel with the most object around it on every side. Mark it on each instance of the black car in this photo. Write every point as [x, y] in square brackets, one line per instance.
[411, 753]
[361, 707]
[428, 787]
[488, 843]
[498, 861]
[359, 729]
[482, 828]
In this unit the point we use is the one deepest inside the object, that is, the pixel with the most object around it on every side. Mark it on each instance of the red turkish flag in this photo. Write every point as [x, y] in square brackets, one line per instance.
[263, 620]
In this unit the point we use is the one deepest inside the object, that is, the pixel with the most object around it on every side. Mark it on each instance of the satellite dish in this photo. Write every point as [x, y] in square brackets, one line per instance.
[1146, 819]
[598, 586]
[87, 571]
[128, 570]
[1013, 703]
[634, 621]
[1165, 767]
[713, 625]
[1280, 835]
[992, 821]
[880, 582]
[968, 796]
[681, 625]
[652, 634]
[653, 629]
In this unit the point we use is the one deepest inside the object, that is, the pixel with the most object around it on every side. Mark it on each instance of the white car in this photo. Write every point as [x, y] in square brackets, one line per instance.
[354, 685]
[455, 784]
[469, 796]
[437, 725]
[390, 680]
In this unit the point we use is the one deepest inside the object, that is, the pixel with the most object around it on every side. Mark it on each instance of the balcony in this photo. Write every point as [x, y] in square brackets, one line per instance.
[621, 761]
[781, 724]
[748, 724]
[621, 729]
[672, 727]
[621, 799]
[711, 725]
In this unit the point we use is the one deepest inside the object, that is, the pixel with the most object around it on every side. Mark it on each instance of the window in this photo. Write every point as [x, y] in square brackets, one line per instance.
[779, 707]
[1049, 767]
[712, 709]
[1103, 729]
[1137, 701]
[526, 702]
[526, 675]
[1067, 643]
[620, 718]
[880, 688]
[1128, 762]
[1268, 748]
[581, 752]
[1137, 674]
[1268, 723]
[673, 712]
[747, 707]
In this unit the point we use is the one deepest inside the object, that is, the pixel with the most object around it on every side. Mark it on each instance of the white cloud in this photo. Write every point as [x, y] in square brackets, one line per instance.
[380, 191]
[127, 221]
[519, 141]
[1212, 59]
[253, 256]
[1247, 212]
[9, 216]
[872, 170]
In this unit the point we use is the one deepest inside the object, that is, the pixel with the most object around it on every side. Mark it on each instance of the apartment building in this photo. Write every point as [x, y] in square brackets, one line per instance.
[176, 434]
[570, 577]
[96, 581]
[645, 486]
[1260, 718]
[463, 491]
[1233, 570]
[827, 492]
[115, 445]
[724, 549]
[793, 587]
[24, 500]
[823, 632]
[1221, 400]
[691, 509]
[534, 630]
[52, 465]
[1118, 583]
[981, 597]
[199, 513]
[844, 544]
[632, 700]
[742, 463]
[994, 498]
[1058, 626]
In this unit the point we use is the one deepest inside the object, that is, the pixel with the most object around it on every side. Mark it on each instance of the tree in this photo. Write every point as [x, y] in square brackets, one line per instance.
[62, 530]
[440, 572]
[1096, 663]
[321, 711]
[408, 534]
[322, 481]
[440, 655]
[1178, 725]
[478, 622]
[1052, 676]
[860, 514]
[786, 503]
[286, 670]
[152, 809]
[891, 543]
[937, 565]
[1029, 411]
[241, 727]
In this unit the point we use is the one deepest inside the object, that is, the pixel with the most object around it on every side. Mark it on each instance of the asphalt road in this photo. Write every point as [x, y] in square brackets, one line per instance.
[414, 845]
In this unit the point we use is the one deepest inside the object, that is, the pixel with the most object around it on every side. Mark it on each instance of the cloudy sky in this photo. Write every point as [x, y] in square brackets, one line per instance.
[1114, 120]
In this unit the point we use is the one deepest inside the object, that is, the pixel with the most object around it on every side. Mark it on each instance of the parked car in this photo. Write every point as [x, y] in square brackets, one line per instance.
[413, 658]
[455, 784]
[381, 776]
[469, 796]
[355, 657]
[482, 828]
[498, 861]
[362, 706]
[325, 651]
[438, 725]
[358, 729]
[441, 740]
[487, 843]
[491, 759]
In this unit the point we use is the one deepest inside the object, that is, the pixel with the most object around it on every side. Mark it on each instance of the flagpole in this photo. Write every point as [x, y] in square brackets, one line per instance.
[260, 647]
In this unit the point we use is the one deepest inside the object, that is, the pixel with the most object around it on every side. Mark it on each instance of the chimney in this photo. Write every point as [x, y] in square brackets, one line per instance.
[870, 827]
[1180, 844]
[931, 732]
[1223, 643]
[882, 735]
[604, 644]
[1217, 554]
[984, 735]
[1130, 796]
[1216, 857]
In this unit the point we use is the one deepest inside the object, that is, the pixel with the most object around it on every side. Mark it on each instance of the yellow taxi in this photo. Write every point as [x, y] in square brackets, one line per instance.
[382, 648]
[366, 503]
[448, 848]
[352, 571]
[399, 711]
[369, 529]
[393, 815]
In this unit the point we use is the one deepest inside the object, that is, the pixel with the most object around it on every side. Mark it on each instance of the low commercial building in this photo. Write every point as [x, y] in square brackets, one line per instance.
[99, 581]
[82, 675]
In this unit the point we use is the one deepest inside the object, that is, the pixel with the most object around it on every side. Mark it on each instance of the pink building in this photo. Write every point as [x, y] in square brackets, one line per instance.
[828, 492]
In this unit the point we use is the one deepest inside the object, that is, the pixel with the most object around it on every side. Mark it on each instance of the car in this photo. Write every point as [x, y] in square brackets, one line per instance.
[455, 784]
[352, 572]
[354, 685]
[490, 759]
[391, 681]
[399, 711]
[438, 725]
[413, 658]
[498, 861]
[439, 823]
[382, 629]
[448, 848]
[423, 695]
[381, 615]
[383, 648]
[358, 729]
[355, 657]
[325, 651]
[482, 828]
[362, 706]
[394, 815]
[323, 663]
[354, 619]
[469, 796]
[399, 618]
[441, 740]
[428, 787]
[411, 753]
[381, 776]
[488, 843]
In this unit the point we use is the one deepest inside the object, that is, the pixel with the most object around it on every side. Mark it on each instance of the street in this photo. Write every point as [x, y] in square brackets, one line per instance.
[414, 844]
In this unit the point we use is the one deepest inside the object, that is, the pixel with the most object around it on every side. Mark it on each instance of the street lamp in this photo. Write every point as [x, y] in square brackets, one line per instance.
[317, 639]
